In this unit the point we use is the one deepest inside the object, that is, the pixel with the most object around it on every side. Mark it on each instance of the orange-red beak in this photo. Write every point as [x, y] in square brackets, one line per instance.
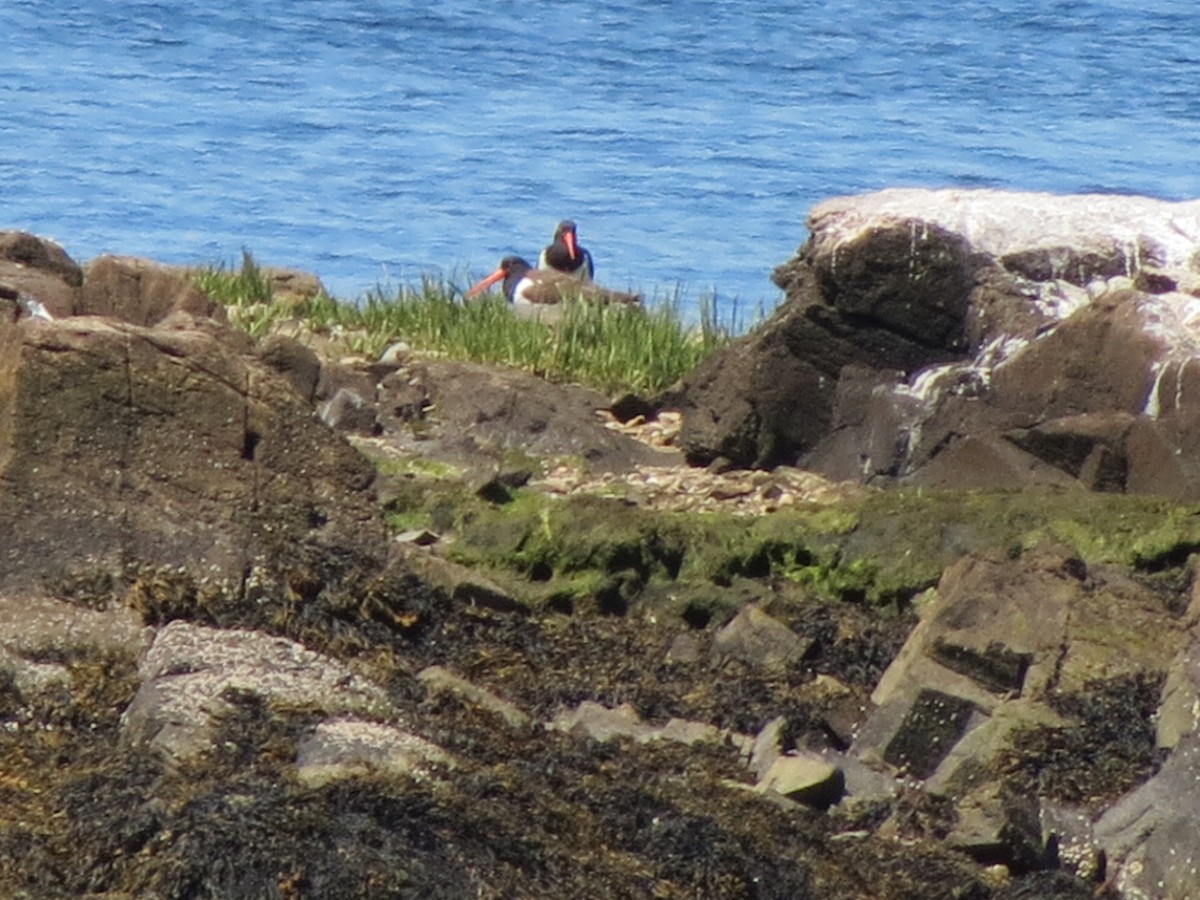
[569, 240]
[482, 286]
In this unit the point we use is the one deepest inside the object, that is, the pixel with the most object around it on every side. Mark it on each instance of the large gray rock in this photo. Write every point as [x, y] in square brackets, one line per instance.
[806, 778]
[1002, 629]
[190, 669]
[478, 415]
[758, 640]
[1179, 714]
[1152, 836]
[998, 826]
[952, 339]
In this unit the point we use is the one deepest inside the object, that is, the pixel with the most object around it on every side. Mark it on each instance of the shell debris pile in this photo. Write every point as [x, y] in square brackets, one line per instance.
[686, 489]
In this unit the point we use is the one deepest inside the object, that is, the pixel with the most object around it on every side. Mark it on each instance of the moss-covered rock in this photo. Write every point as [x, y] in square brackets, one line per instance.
[885, 548]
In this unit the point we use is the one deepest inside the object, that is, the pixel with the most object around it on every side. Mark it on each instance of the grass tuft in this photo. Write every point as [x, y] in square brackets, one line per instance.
[610, 348]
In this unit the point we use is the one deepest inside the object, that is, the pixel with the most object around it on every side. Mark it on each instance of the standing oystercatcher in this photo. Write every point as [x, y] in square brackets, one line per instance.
[565, 254]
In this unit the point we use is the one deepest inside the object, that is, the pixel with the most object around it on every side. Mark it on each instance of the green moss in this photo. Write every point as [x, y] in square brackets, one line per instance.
[911, 536]
[417, 495]
[415, 467]
[543, 538]
[884, 549]
[1102, 528]
[408, 520]
[1164, 539]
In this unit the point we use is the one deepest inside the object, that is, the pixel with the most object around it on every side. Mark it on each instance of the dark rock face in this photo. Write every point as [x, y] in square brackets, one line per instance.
[911, 278]
[297, 363]
[776, 393]
[477, 415]
[970, 339]
[165, 447]
[931, 727]
[135, 426]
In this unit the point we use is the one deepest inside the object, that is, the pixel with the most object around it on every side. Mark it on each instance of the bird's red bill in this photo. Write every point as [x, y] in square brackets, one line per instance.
[482, 286]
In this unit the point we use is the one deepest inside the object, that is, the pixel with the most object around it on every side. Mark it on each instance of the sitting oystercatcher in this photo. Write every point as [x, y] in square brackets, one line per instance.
[525, 286]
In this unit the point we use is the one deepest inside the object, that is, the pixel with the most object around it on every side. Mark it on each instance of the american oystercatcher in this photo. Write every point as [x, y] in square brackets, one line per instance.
[565, 254]
[531, 288]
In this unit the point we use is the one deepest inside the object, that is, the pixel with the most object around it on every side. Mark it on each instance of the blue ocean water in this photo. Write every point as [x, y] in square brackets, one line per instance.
[376, 142]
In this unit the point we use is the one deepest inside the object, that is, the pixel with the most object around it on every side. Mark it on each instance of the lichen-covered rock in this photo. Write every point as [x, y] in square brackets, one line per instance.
[33, 625]
[346, 748]
[190, 673]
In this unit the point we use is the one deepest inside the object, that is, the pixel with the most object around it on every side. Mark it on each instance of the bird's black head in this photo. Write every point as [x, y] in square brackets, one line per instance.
[515, 266]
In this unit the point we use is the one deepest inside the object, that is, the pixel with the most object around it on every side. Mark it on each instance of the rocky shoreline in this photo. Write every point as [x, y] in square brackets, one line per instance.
[893, 599]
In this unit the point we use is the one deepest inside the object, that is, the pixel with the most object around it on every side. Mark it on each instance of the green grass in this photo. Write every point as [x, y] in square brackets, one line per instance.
[611, 348]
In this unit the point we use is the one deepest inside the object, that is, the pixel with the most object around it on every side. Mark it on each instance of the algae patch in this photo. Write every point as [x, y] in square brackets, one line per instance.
[1107, 749]
[882, 549]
